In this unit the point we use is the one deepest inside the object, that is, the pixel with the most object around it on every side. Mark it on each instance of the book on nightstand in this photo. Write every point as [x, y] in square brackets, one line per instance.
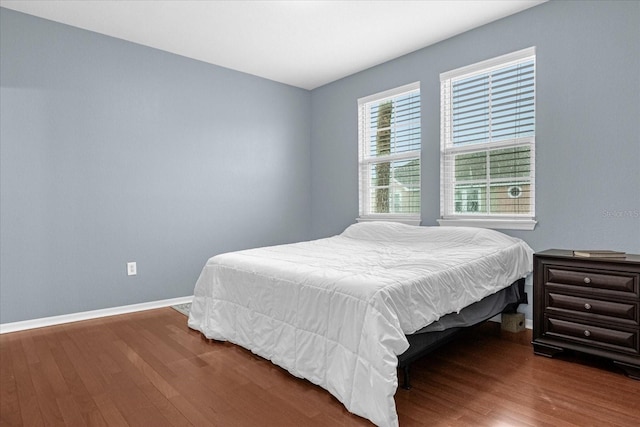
[599, 254]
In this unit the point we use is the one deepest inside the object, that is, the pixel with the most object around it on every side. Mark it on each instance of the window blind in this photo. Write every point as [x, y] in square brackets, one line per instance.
[494, 106]
[389, 153]
[488, 139]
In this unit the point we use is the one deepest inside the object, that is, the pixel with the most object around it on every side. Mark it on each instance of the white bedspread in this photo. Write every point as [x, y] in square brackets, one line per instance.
[335, 311]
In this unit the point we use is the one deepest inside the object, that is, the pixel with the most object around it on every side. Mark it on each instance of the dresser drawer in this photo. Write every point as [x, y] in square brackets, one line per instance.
[597, 282]
[589, 308]
[593, 336]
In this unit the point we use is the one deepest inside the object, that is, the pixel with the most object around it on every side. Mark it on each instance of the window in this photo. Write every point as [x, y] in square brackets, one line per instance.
[487, 143]
[389, 155]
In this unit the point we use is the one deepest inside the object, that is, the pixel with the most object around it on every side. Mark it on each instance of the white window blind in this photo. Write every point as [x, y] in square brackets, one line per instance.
[487, 161]
[389, 155]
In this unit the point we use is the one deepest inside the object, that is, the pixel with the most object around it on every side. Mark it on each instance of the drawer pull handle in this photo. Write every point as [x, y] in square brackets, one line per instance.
[587, 280]
[587, 306]
[587, 333]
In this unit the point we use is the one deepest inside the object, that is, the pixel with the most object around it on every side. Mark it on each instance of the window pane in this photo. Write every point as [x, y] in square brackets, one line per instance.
[407, 139]
[511, 198]
[470, 198]
[406, 200]
[380, 173]
[407, 172]
[471, 109]
[394, 126]
[381, 115]
[395, 201]
[471, 166]
[494, 106]
[395, 187]
[512, 162]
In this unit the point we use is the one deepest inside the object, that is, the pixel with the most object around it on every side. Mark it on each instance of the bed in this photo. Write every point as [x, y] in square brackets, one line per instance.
[338, 311]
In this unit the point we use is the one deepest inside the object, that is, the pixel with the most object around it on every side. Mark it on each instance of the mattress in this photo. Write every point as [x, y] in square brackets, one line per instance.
[336, 311]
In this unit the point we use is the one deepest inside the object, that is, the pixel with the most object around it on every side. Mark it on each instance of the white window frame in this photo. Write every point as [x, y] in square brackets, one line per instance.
[365, 160]
[448, 216]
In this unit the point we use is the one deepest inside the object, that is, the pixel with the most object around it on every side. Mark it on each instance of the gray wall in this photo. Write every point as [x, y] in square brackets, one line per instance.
[588, 123]
[113, 152]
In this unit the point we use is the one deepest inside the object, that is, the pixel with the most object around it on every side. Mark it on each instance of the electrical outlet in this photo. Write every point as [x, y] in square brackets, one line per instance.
[132, 269]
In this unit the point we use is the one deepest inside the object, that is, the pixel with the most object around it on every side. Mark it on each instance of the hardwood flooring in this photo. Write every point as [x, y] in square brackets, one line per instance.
[150, 369]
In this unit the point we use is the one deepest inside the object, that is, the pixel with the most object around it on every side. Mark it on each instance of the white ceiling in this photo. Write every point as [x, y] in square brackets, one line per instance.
[301, 43]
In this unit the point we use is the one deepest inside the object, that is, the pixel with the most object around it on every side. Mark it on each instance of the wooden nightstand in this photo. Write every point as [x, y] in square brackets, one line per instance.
[590, 305]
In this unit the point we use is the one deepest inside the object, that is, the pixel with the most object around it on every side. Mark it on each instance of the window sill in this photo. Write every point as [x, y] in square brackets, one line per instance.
[498, 224]
[401, 219]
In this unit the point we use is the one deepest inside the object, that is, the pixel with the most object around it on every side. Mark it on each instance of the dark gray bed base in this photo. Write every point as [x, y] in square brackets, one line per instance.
[435, 335]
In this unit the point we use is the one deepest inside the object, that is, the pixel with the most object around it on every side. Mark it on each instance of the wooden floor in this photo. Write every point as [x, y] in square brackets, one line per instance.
[149, 369]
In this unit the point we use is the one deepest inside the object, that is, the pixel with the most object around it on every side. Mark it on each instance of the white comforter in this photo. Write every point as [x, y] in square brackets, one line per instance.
[335, 311]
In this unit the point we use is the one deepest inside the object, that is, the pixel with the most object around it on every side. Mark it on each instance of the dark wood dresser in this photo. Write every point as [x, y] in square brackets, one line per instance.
[589, 305]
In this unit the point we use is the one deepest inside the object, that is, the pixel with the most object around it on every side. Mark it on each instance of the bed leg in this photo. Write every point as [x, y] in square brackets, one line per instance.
[405, 381]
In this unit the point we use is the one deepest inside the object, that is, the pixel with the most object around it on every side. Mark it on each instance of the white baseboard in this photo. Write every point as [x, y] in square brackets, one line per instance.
[87, 315]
